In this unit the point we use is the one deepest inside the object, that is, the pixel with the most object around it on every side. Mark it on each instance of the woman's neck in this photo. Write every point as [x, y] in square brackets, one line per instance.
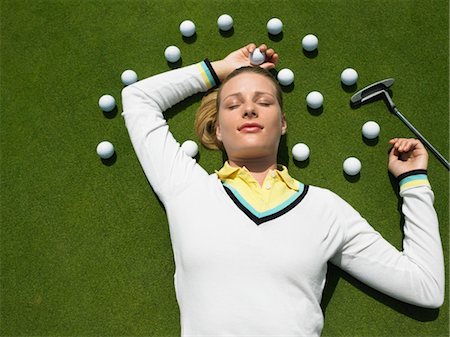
[258, 167]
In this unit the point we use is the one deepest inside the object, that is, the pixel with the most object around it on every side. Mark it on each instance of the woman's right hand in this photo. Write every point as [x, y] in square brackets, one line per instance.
[241, 58]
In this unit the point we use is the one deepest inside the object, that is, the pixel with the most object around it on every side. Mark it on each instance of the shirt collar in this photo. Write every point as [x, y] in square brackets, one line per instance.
[230, 172]
[283, 173]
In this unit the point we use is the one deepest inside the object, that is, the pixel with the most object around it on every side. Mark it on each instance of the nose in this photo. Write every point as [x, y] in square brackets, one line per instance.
[249, 111]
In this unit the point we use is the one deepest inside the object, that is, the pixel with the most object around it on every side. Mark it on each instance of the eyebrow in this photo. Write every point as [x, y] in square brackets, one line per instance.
[257, 93]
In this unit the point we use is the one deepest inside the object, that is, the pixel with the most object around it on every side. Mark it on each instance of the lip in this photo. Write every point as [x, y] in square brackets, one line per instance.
[250, 127]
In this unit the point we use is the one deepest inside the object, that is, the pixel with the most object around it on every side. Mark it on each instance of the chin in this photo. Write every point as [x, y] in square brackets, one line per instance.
[251, 147]
[254, 152]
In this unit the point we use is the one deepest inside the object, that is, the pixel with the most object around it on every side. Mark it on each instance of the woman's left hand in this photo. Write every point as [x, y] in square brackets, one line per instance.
[407, 154]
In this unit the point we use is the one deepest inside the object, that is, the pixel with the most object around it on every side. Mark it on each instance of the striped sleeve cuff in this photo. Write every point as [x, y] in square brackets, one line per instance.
[208, 74]
[413, 179]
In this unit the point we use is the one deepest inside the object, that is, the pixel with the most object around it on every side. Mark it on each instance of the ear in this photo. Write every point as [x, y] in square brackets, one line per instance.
[283, 124]
[218, 132]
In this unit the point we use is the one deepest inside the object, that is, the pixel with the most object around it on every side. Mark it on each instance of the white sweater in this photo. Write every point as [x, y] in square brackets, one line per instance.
[236, 278]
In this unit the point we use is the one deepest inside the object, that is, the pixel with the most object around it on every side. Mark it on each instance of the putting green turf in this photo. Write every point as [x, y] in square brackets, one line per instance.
[85, 247]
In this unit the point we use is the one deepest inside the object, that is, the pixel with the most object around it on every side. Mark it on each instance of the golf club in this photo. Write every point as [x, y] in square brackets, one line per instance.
[380, 89]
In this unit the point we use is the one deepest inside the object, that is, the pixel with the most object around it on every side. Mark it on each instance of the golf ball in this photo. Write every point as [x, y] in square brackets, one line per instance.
[371, 130]
[172, 54]
[349, 76]
[187, 28]
[274, 26]
[225, 22]
[190, 148]
[310, 42]
[314, 100]
[352, 166]
[105, 149]
[285, 76]
[257, 57]
[107, 103]
[300, 151]
[129, 77]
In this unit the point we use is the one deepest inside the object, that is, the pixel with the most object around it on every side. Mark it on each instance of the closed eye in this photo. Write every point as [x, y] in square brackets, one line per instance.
[264, 103]
[234, 106]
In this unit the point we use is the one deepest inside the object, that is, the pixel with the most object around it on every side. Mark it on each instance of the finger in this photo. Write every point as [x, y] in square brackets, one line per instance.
[399, 141]
[268, 65]
[274, 58]
[409, 144]
[402, 145]
[263, 48]
[395, 143]
[415, 143]
[269, 53]
[401, 150]
[393, 153]
[250, 47]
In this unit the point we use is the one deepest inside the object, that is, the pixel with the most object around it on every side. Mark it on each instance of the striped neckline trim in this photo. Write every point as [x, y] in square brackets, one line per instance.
[261, 217]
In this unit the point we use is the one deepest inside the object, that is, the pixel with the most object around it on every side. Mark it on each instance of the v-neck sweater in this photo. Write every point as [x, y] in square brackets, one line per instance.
[276, 191]
[235, 277]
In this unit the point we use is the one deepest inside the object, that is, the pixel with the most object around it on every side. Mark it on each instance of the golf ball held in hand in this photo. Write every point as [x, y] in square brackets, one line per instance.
[300, 151]
[257, 57]
[274, 26]
[371, 130]
[352, 166]
[285, 76]
[314, 100]
[129, 77]
[187, 28]
[310, 42]
[172, 54]
[349, 76]
[107, 103]
[225, 22]
[105, 150]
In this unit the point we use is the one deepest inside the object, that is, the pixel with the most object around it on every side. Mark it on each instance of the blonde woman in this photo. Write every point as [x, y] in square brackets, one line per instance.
[251, 243]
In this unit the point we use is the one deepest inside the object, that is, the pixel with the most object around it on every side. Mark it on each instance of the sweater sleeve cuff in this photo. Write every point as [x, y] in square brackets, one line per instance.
[412, 179]
[208, 74]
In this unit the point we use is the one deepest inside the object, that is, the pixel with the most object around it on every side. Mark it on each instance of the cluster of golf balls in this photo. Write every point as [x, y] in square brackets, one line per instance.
[105, 149]
[274, 27]
[225, 23]
[314, 99]
[188, 29]
[352, 165]
[285, 77]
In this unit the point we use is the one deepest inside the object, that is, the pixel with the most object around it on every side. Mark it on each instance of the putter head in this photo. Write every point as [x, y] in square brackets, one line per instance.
[371, 92]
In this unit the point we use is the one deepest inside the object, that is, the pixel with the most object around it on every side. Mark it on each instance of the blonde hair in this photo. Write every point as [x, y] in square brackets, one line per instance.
[206, 120]
[207, 114]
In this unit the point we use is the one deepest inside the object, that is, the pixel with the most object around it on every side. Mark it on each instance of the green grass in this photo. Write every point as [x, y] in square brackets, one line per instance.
[85, 247]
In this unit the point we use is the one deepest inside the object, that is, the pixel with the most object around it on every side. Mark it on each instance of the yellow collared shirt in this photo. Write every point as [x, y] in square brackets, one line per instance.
[277, 188]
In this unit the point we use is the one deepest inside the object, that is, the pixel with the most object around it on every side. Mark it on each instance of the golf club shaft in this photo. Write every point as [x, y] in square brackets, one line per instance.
[422, 138]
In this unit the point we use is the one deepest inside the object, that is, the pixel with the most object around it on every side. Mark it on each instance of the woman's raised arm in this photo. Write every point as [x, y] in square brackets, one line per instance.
[166, 166]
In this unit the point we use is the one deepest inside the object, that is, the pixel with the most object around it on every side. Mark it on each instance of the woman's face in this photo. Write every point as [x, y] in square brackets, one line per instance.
[250, 121]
